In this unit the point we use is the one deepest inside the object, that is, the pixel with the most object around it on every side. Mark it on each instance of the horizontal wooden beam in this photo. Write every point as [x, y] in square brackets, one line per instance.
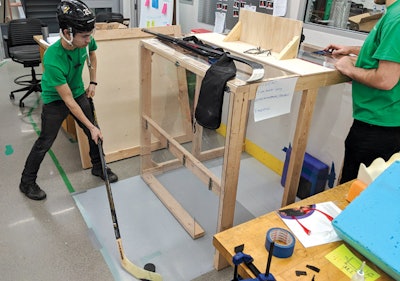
[184, 218]
[184, 156]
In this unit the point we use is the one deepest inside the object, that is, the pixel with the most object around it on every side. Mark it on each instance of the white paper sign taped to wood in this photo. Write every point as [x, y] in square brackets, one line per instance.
[280, 8]
[219, 26]
[274, 98]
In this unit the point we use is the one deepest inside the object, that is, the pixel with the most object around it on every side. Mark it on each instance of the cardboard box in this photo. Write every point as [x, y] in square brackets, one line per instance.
[365, 22]
[109, 25]
[68, 126]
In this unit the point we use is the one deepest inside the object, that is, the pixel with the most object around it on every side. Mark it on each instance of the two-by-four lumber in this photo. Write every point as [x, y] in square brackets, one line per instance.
[183, 217]
[185, 157]
[236, 131]
[300, 139]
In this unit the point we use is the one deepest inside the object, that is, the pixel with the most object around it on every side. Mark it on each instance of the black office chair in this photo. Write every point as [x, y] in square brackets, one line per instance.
[23, 49]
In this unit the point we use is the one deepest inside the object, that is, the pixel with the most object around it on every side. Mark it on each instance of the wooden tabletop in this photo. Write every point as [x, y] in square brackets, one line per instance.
[252, 234]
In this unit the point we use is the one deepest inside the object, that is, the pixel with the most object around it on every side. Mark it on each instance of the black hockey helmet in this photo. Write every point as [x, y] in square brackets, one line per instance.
[76, 15]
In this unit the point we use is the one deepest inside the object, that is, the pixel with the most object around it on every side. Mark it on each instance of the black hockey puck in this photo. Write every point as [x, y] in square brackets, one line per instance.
[149, 267]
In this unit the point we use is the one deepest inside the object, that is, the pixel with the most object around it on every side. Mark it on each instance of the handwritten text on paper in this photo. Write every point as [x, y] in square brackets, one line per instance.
[274, 98]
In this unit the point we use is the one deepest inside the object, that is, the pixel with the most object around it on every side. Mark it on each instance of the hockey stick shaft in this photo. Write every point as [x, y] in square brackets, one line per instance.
[258, 69]
[130, 267]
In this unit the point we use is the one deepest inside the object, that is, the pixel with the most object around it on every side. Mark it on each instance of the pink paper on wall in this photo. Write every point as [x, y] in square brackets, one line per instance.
[156, 13]
[164, 9]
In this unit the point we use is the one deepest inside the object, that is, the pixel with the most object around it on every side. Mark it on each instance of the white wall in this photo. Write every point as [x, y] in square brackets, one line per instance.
[333, 113]
[188, 17]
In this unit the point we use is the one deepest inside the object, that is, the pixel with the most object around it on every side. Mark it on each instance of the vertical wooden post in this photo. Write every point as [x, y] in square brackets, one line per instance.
[198, 130]
[236, 130]
[145, 108]
[10, 6]
[184, 99]
[299, 146]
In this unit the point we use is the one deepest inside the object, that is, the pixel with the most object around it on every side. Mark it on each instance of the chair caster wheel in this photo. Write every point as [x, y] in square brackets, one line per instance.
[21, 104]
[12, 97]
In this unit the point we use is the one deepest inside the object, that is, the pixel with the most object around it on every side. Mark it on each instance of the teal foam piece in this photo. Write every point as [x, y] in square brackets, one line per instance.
[371, 222]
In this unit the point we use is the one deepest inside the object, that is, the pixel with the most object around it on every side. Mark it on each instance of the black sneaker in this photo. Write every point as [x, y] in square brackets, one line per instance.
[32, 191]
[99, 173]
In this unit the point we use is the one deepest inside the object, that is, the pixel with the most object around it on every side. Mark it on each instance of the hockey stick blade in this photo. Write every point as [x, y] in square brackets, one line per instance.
[257, 68]
[134, 270]
[257, 75]
[130, 267]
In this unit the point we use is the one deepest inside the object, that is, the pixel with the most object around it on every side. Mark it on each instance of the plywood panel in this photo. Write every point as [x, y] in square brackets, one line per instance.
[117, 94]
[277, 33]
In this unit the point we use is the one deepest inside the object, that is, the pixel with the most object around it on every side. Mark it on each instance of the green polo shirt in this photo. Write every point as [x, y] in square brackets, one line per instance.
[61, 67]
[370, 105]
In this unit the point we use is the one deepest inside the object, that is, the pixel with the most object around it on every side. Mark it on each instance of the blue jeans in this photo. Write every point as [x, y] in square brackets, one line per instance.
[53, 114]
[365, 143]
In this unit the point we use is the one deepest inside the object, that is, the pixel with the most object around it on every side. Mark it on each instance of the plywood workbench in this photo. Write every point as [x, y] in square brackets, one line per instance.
[252, 235]
[310, 78]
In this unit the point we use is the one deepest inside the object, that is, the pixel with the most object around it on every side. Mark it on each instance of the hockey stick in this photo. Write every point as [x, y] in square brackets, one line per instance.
[134, 270]
[208, 51]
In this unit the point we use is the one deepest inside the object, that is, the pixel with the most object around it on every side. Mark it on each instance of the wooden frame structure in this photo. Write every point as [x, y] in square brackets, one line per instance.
[240, 96]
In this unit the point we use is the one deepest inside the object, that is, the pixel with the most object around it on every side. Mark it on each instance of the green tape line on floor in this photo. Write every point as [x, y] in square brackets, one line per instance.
[51, 153]
[3, 62]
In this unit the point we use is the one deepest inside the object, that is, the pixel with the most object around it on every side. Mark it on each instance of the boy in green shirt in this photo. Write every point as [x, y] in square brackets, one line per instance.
[63, 91]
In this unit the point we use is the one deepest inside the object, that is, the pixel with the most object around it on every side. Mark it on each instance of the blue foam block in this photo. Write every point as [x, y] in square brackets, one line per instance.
[371, 222]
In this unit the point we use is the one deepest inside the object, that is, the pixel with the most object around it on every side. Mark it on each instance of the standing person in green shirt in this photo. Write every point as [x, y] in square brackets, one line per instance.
[63, 91]
[375, 71]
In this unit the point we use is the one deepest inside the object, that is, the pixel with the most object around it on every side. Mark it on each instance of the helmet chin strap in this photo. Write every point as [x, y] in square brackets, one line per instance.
[69, 42]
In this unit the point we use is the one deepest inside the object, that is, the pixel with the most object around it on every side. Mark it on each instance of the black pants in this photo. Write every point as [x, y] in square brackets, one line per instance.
[365, 143]
[53, 114]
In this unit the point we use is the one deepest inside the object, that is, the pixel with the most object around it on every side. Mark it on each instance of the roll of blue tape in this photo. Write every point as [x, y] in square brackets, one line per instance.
[283, 242]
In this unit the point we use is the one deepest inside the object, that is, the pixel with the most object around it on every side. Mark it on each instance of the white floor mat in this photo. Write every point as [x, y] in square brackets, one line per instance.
[151, 234]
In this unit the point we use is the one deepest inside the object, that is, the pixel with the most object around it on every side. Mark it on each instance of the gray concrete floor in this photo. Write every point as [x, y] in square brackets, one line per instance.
[45, 240]
[48, 240]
